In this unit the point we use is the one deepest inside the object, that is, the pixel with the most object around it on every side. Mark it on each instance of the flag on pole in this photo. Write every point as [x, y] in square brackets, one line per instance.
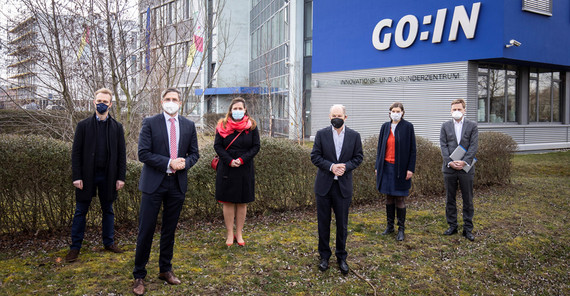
[84, 42]
[197, 45]
[199, 41]
[147, 39]
[191, 54]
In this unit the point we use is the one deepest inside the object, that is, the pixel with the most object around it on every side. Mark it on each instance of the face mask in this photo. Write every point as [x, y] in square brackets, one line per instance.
[238, 114]
[102, 108]
[396, 116]
[170, 107]
[337, 122]
[457, 115]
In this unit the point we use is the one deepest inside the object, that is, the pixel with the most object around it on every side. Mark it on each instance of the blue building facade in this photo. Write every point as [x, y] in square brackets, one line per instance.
[510, 60]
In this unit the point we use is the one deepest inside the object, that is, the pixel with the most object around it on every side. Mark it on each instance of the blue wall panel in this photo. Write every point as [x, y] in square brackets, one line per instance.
[343, 30]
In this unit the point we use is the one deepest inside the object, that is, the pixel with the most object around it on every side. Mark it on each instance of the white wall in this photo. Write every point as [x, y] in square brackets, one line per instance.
[426, 102]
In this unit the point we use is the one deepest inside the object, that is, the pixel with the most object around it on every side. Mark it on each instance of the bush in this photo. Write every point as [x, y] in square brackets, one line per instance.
[284, 176]
[35, 177]
[363, 177]
[428, 178]
[37, 191]
[494, 158]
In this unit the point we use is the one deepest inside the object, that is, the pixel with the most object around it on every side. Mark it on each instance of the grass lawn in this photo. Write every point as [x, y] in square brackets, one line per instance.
[522, 247]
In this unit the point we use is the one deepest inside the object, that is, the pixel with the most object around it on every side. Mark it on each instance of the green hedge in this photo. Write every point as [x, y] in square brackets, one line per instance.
[35, 177]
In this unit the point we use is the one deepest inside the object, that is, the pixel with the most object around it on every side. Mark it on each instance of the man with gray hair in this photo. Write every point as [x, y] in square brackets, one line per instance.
[337, 151]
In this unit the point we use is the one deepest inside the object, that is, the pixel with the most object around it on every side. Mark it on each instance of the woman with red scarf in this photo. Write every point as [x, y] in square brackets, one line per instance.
[235, 179]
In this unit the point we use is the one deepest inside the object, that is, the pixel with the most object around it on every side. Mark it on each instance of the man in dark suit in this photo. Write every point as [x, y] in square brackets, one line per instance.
[99, 165]
[455, 132]
[337, 151]
[168, 147]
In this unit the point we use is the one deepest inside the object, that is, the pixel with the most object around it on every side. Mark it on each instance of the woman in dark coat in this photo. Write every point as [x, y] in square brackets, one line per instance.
[235, 179]
[395, 166]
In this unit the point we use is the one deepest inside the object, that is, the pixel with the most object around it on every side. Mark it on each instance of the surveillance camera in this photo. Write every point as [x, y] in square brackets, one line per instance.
[513, 42]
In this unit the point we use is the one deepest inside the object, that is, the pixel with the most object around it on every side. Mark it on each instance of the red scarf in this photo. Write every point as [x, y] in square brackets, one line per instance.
[232, 126]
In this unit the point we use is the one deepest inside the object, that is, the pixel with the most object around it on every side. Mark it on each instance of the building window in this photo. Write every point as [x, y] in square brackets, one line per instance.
[544, 96]
[308, 28]
[497, 89]
[538, 6]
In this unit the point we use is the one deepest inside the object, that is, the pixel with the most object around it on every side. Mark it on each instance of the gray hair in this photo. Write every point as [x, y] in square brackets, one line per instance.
[338, 106]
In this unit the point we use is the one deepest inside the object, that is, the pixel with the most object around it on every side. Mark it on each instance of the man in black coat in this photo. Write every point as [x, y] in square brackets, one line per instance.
[337, 151]
[99, 164]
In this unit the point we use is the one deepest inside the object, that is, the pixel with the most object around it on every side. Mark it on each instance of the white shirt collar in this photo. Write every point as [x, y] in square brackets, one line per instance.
[341, 132]
[461, 121]
[167, 116]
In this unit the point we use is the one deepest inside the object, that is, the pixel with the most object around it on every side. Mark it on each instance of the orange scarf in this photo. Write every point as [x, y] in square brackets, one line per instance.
[232, 126]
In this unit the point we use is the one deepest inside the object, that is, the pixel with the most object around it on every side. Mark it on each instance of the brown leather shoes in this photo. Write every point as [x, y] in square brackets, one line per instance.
[113, 248]
[169, 277]
[138, 287]
[72, 255]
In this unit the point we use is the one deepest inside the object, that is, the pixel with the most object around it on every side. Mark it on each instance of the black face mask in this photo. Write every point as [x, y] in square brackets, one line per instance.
[337, 122]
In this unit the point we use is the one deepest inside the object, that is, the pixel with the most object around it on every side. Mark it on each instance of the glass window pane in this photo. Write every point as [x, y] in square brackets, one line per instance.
[544, 107]
[533, 73]
[482, 102]
[511, 100]
[556, 75]
[556, 101]
[532, 94]
[308, 48]
[274, 35]
[497, 95]
[308, 20]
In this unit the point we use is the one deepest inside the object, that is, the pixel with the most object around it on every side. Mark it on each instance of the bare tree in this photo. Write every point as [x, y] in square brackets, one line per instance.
[80, 46]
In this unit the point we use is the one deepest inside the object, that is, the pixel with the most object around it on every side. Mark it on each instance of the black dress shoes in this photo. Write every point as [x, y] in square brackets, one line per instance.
[450, 231]
[468, 235]
[324, 265]
[343, 267]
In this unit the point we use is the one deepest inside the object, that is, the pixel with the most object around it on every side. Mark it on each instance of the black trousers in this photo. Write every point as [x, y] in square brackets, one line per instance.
[466, 184]
[169, 196]
[340, 206]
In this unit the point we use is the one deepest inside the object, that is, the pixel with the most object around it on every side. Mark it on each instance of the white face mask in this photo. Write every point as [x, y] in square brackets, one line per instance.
[170, 107]
[238, 114]
[457, 115]
[396, 116]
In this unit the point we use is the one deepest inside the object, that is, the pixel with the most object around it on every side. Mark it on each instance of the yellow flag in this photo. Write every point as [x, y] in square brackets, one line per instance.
[191, 54]
[84, 42]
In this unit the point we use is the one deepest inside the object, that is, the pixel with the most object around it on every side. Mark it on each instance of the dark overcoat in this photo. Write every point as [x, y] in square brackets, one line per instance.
[154, 152]
[236, 185]
[83, 157]
[323, 156]
[405, 154]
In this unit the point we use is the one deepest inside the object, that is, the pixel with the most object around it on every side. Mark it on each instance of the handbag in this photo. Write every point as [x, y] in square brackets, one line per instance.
[216, 159]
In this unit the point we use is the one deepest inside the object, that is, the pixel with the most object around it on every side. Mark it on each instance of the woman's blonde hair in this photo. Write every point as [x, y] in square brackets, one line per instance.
[224, 120]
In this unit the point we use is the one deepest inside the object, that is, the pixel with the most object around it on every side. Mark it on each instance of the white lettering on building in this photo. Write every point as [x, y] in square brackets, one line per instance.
[460, 19]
